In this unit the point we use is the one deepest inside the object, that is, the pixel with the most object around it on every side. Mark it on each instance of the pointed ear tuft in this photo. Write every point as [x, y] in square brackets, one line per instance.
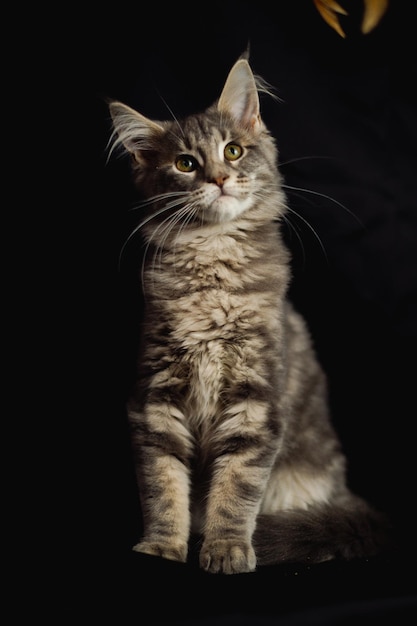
[246, 53]
[132, 130]
[240, 97]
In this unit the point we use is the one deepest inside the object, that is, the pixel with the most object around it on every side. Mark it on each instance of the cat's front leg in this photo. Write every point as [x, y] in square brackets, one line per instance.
[161, 446]
[240, 474]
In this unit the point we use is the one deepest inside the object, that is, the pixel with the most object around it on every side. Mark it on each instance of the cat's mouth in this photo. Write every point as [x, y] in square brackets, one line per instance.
[226, 207]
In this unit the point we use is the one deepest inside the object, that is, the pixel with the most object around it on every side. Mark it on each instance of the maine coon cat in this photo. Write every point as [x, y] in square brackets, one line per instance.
[232, 438]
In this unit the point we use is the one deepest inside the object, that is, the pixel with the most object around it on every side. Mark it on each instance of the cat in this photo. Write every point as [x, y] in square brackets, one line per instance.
[232, 439]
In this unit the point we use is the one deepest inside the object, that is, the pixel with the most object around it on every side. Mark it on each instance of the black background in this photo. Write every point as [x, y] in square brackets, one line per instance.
[346, 128]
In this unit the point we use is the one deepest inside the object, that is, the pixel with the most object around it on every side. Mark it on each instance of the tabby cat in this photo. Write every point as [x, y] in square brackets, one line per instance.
[233, 444]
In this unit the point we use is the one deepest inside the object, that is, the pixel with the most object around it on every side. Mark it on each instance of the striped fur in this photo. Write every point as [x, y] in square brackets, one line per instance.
[230, 427]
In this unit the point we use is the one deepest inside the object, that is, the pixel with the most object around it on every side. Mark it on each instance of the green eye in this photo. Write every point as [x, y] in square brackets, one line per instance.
[233, 151]
[186, 163]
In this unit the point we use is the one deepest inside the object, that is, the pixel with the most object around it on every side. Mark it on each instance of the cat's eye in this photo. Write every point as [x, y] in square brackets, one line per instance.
[233, 151]
[186, 163]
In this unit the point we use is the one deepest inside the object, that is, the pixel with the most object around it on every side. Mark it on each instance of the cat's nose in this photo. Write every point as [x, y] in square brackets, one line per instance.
[220, 180]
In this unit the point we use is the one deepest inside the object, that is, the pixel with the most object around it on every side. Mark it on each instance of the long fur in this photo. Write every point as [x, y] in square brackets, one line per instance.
[229, 416]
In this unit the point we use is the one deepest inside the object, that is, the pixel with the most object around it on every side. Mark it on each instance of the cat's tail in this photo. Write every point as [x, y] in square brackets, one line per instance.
[321, 533]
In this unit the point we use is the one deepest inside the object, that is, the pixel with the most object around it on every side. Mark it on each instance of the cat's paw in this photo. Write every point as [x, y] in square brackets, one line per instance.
[227, 557]
[171, 551]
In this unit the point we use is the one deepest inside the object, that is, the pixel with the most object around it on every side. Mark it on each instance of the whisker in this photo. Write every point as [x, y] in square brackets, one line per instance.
[166, 227]
[295, 230]
[189, 215]
[323, 195]
[288, 221]
[304, 158]
[174, 117]
[177, 197]
[162, 232]
[315, 233]
[158, 198]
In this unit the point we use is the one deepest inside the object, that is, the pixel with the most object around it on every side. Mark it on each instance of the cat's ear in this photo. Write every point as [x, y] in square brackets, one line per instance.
[133, 130]
[240, 96]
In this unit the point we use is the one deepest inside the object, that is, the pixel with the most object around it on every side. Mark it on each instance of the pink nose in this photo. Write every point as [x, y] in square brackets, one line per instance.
[220, 180]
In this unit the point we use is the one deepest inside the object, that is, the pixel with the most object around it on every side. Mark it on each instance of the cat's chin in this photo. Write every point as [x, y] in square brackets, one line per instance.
[226, 208]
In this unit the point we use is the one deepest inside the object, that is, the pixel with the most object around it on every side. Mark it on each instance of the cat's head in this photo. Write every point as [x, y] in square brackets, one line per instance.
[209, 168]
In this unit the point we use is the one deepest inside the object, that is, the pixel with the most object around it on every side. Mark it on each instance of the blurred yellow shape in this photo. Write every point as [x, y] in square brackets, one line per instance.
[372, 14]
